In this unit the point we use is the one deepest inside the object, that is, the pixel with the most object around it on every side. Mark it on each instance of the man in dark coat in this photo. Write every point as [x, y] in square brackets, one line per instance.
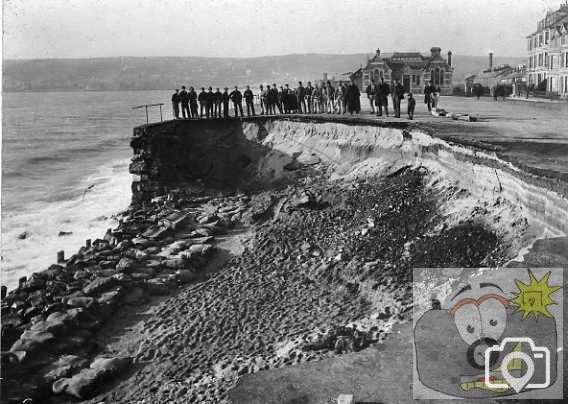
[301, 94]
[411, 105]
[382, 97]
[277, 98]
[371, 89]
[202, 98]
[237, 99]
[249, 99]
[184, 99]
[225, 101]
[193, 102]
[352, 97]
[309, 94]
[210, 98]
[428, 91]
[217, 104]
[397, 93]
[175, 104]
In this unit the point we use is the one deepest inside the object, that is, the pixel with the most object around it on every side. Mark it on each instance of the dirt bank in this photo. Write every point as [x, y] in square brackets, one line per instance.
[305, 254]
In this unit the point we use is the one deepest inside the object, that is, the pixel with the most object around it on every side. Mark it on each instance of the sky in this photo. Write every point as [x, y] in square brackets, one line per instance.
[247, 28]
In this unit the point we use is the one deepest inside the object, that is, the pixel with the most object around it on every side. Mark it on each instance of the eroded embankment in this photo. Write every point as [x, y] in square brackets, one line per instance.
[273, 243]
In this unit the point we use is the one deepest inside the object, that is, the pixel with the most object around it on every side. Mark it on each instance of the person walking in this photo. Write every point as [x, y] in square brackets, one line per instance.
[193, 102]
[225, 101]
[309, 94]
[175, 104]
[184, 99]
[411, 106]
[249, 100]
[353, 98]
[382, 97]
[371, 95]
[237, 99]
[397, 92]
[301, 94]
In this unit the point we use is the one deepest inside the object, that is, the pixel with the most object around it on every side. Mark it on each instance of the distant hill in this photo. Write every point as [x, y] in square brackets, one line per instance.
[153, 73]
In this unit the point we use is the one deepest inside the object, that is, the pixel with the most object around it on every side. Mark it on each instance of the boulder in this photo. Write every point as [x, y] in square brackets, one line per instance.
[88, 303]
[199, 249]
[175, 263]
[125, 264]
[65, 366]
[31, 340]
[99, 285]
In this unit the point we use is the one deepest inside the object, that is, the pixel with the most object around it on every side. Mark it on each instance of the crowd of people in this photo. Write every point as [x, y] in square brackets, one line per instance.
[310, 99]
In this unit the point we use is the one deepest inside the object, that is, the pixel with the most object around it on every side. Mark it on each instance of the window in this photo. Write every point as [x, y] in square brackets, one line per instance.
[546, 37]
[539, 40]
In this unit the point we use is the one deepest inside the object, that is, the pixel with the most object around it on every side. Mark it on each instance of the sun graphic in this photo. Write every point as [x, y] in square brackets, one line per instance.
[534, 297]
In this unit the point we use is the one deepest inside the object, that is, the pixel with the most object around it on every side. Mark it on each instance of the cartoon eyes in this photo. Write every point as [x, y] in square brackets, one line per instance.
[483, 318]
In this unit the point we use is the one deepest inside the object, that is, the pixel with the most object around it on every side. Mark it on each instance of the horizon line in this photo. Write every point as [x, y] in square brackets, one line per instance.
[236, 57]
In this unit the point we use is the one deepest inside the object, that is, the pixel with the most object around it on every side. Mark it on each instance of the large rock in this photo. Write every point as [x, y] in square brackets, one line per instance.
[32, 340]
[84, 383]
[125, 264]
[65, 366]
[88, 303]
[99, 285]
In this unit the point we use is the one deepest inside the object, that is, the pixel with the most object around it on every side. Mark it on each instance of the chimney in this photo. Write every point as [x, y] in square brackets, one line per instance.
[378, 54]
[435, 51]
[491, 61]
[450, 58]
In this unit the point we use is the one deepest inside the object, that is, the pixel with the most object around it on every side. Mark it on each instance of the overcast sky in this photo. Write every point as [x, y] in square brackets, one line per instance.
[242, 28]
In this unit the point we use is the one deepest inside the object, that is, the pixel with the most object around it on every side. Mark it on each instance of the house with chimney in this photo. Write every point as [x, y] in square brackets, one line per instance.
[412, 69]
[547, 68]
[512, 78]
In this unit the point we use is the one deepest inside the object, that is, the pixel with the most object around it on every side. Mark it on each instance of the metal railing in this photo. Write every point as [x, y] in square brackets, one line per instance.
[146, 106]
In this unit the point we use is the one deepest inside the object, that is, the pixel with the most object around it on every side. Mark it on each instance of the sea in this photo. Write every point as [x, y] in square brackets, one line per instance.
[65, 177]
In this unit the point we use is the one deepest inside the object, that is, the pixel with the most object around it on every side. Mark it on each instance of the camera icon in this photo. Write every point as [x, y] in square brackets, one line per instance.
[505, 376]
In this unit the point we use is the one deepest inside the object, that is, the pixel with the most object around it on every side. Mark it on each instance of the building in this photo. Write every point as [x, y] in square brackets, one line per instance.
[547, 68]
[412, 69]
[512, 78]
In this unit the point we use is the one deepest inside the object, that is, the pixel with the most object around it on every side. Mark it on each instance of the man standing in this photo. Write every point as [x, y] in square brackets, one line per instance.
[184, 98]
[397, 94]
[428, 91]
[225, 100]
[263, 95]
[193, 102]
[309, 94]
[277, 97]
[382, 94]
[301, 94]
[175, 104]
[352, 97]
[237, 99]
[411, 106]
[217, 102]
[202, 98]
[371, 95]
[210, 99]
[249, 99]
